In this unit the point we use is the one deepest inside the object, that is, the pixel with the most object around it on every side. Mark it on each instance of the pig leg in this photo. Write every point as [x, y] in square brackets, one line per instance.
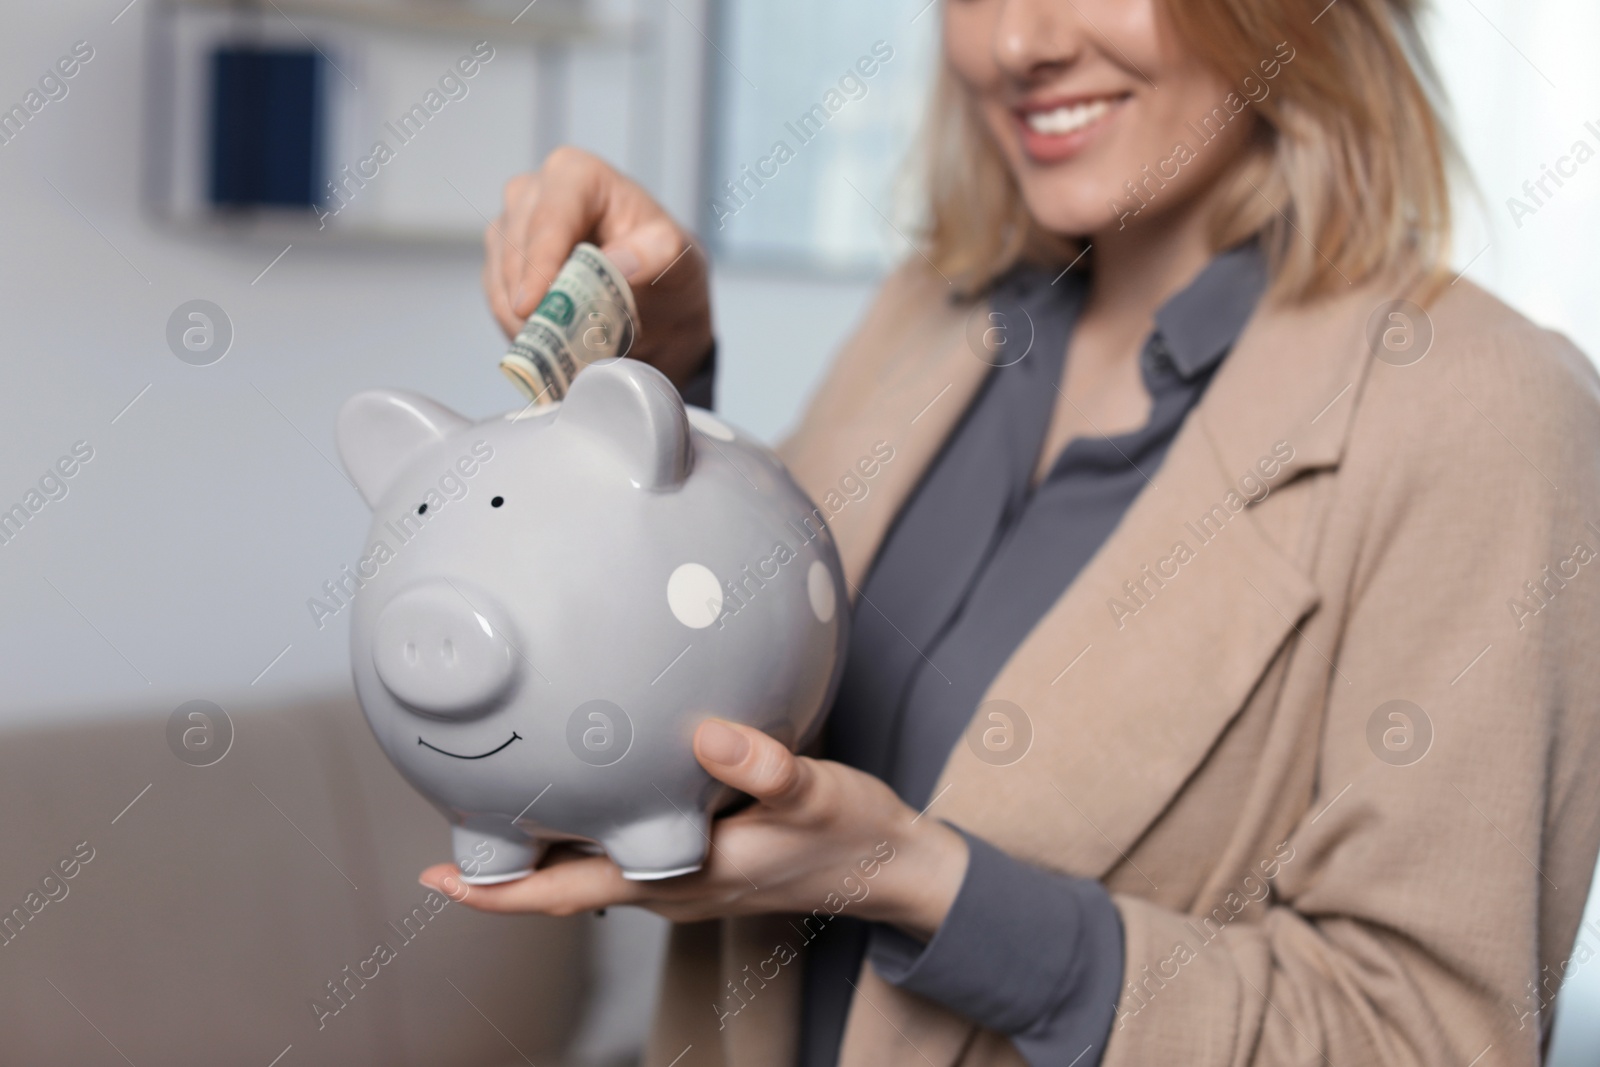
[662, 846]
[489, 849]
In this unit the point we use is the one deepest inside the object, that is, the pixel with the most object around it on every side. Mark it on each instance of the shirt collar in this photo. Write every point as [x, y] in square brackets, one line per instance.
[1200, 323]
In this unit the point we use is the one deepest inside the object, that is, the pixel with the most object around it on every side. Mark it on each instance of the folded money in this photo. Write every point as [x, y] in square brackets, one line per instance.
[588, 314]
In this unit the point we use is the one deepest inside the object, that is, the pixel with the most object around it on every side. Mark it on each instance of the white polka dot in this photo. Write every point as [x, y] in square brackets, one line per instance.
[709, 424]
[819, 588]
[695, 595]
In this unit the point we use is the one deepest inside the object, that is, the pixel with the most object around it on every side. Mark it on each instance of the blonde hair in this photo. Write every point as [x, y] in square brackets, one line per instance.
[1349, 182]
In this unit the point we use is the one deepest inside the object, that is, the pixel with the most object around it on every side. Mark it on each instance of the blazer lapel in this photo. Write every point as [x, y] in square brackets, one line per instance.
[1125, 684]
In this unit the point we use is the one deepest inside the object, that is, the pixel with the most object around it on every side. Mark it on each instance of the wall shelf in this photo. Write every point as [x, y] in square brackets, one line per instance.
[542, 22]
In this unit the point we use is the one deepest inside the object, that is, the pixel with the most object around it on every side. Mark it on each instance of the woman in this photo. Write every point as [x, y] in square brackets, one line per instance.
[1226, 611]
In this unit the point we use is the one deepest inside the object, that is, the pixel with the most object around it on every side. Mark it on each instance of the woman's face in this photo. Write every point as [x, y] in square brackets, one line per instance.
[1086, 96]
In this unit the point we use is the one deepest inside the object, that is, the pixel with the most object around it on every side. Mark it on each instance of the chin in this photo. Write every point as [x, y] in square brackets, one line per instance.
[1069, 205]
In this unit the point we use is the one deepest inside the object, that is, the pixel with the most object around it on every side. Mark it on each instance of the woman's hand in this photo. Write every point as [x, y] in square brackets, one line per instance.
[576, 197]
[818, 828]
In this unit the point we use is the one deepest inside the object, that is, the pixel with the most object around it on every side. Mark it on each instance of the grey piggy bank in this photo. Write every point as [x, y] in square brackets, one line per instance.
[552, 600]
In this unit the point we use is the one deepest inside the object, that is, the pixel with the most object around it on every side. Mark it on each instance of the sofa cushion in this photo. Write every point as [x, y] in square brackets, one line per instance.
[209, 909]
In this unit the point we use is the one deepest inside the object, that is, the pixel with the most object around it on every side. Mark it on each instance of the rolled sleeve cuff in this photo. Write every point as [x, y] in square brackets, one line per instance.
[1023, 951]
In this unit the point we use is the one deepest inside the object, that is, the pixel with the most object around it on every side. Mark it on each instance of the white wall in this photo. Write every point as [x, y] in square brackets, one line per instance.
[1524, 88]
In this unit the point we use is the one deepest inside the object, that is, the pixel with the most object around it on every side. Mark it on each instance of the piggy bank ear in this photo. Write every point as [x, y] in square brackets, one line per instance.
[381, 431]
[630, 411]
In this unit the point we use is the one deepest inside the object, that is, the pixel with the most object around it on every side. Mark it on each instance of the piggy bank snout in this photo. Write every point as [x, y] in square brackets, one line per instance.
[441, 650]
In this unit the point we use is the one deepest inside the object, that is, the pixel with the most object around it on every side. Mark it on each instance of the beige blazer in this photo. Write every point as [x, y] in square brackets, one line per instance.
[1306, 873]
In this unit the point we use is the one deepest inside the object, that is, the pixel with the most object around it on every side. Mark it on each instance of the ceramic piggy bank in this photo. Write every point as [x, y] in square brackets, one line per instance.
[551, 601]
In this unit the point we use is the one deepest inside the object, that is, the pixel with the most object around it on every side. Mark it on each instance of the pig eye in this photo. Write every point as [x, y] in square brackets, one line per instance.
[497, 501]
[422, 510]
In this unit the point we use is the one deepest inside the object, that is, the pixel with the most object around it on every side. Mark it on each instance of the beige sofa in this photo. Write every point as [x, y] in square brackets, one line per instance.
[201, 923]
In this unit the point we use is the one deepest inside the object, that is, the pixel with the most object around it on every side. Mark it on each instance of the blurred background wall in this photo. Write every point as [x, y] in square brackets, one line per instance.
[179, 563]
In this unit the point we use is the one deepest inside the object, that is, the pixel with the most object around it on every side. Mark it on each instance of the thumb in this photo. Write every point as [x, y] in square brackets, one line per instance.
[752, 762]
[644, 254]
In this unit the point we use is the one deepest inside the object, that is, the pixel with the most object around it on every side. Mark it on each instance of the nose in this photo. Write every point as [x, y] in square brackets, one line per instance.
[1033, 37]
[439, 648]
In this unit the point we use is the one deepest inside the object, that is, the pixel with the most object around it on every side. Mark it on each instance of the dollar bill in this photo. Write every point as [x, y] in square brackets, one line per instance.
[588, 314]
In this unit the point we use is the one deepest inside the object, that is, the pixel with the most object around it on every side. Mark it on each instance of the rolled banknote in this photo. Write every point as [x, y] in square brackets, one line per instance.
[587, 314]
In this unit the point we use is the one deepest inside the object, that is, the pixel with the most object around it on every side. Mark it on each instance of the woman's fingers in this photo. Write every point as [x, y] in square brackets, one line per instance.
[580, 884]
[494, 283]
[576, 197]
[575, 194]
[503, 233]
[646, 252]
[753, 763]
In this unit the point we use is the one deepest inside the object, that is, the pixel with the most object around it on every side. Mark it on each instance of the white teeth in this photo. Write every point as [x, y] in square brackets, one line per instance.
[1064, 120]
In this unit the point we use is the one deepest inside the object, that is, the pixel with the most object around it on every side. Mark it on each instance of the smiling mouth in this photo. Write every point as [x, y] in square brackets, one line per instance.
[482, 755]
[1068, 117]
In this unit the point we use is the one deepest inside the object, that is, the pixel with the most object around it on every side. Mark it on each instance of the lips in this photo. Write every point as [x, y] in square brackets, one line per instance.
[1057, 129]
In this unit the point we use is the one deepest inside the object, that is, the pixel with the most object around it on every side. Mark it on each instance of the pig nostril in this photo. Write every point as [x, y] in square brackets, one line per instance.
[411, 652]
[449, 651]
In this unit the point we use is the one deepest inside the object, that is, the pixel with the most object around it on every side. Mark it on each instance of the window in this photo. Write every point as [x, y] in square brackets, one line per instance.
[814, 111]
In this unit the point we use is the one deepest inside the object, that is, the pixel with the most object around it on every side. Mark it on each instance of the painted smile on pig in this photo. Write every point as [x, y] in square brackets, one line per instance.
[482, 755]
